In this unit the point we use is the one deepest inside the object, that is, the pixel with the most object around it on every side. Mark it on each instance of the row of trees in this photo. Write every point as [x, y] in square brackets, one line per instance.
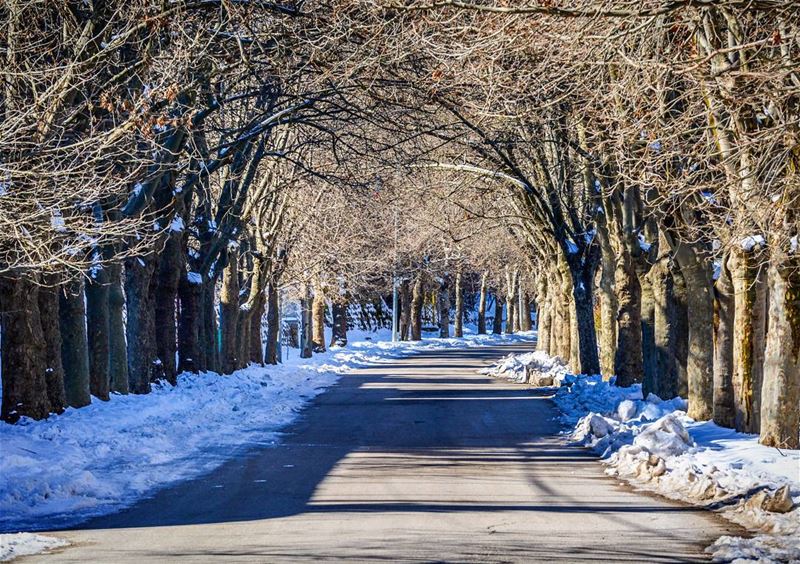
[630, 167]
[650, 154]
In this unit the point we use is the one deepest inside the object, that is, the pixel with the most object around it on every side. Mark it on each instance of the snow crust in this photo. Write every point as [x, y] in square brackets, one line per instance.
[101, 458]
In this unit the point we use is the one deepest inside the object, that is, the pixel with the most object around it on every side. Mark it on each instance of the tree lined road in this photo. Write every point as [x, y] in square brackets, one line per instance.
[417, 460]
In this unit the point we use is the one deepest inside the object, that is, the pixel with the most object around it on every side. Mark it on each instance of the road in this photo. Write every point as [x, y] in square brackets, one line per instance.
[418, 460]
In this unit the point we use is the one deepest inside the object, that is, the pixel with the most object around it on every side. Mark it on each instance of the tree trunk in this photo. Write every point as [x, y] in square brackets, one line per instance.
[608, 306]
[574, 338]
[628, 360]
[511, 310]
[544, 318]
[724, 413]
[117, 351]
[143, 362]
[229, 314]
[98, 332]
[24, 351]
[190, 292]
[417, 296]
[650, 375]
[74, 345]
[482, 306]
[444, 308]
[749, 326]
[255, 352]
[210, 338]
[167, 279]
[665, 384]
[584, 315]
[700, 302]
[54, 371]
[405, 309]
[780, 398]
[273, 325]
[458, 331]
[680, 325]
[497, 320]
[306, 343]
[339, 320]
[318, 316]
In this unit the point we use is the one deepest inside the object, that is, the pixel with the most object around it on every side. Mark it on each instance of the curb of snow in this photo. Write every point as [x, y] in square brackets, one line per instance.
[652, 444]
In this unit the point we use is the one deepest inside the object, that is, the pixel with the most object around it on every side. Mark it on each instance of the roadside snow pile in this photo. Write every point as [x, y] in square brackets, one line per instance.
[653, 444]
[536, 368]
[98, 459]
[24, 544]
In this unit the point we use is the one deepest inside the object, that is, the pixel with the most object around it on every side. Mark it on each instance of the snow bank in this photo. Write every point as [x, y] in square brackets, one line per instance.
[537, 368]
[653, 444]
[24, 544]
[103, 457]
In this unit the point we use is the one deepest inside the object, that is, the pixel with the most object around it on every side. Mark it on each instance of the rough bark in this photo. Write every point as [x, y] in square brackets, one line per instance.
[209, 335]
[650, 375]
[724, 413]
[339, 323]
[628, 360]
[167, 278]
[318, 319]
[54, 371]
[780, 405]
[608, 306]
[306, 343]
[511, 309]
[229, 314]
[680, 324]
[273, 325]
[583, 302]
[749, 328]
[190, 294]
[665, 383]
[482, 305]
[74, 344]
[444, 308]
[117, 351]
[700, 302]
[98, 332]
[143, 362]
[405, 309]
[255, 351]
[417, 297]
[458, 330]
[497, 321]
[24, 351]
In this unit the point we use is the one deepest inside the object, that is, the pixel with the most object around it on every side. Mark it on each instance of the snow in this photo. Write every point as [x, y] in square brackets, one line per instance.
[752, 241]
[177, 224]
[654, 445]
[194, 277]
[101, 458]
[24, 544]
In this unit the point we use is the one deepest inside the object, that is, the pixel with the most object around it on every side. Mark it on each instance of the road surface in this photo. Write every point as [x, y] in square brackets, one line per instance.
[417, 460]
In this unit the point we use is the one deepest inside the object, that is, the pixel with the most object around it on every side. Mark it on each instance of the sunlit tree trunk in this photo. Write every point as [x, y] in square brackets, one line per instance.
[318, 319]
[780, 401]
[458, 330]
[749, 327]
[608, 305]
[229, 313]
[417, 296]
[482, 305]
[724, 413]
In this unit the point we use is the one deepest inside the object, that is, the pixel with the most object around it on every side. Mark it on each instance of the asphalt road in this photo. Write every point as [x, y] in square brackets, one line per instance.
[418, 460]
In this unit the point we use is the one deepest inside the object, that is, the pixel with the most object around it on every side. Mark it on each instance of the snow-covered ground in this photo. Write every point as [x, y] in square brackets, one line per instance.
[652, 444]
[103, 457]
